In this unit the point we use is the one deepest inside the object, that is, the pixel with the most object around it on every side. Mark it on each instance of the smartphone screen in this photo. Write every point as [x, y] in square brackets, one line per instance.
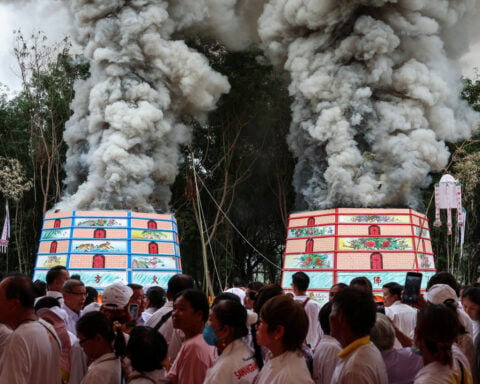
[411, 290]
[133, 309]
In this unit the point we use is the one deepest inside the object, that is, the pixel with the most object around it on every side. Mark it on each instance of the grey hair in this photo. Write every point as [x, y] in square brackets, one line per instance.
[70, 284]
[382, 333]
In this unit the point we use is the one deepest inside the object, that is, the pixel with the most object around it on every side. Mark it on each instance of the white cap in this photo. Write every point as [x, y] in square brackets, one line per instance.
[439, 293]
[116, 295]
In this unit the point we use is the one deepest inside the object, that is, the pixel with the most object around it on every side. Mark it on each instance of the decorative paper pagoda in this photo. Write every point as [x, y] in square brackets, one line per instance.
[336, 245]
[105, 246]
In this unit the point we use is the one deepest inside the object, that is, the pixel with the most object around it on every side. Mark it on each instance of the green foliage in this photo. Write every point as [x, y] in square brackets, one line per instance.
[243, 165]
[31, 131]
[465, 167]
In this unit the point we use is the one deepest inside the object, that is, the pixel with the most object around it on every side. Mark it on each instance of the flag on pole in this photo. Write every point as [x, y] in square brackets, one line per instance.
[6, 231]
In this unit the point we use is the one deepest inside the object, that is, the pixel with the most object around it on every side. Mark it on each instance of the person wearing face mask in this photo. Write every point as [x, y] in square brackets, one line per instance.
[226, 328]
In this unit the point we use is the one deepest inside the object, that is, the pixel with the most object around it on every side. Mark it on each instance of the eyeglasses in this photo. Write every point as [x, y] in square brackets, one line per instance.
[84, 340]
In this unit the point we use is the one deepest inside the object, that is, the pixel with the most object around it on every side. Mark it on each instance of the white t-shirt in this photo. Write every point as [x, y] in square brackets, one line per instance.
[436, 373]
[236, 365]
[32, 355]
[289, 367]
[71, 319]
[238, 292]
[104, 370]
[325, 359]
[5, 333]
[403, 316]
[363, 365]
[78, 362]
[312, 308]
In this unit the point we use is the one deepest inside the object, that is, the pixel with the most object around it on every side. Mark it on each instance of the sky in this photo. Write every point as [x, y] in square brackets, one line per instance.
[48, 16]
[51, 17]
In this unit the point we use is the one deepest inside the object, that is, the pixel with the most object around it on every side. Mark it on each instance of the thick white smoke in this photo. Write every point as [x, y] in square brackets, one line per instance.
[375, 89]
[376, 94]
[127, 126]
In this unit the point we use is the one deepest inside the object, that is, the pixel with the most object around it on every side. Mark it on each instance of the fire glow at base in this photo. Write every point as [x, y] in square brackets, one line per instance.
[336, 245]
[105, 246]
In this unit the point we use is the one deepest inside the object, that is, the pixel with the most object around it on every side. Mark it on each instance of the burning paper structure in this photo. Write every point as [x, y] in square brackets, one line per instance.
[105, 246]
[336, 245]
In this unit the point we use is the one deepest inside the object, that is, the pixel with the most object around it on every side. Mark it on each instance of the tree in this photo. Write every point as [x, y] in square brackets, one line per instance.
[243, 168]
[31, 129]
[465, 167]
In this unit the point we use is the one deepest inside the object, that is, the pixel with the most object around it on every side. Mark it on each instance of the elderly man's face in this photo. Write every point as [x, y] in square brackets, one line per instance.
[75, 298]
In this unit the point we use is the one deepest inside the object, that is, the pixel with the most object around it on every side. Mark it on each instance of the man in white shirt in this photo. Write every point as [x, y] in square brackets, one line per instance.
[325, 357]
[300, 283]
[74, 295]
[403, 316]
[56, 277]
[353, 316]
[162, 319]
[32, 354]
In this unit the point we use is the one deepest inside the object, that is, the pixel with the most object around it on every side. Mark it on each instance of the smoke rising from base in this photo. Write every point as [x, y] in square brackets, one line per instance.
[375, 90]
[128, 122]
[376, 95]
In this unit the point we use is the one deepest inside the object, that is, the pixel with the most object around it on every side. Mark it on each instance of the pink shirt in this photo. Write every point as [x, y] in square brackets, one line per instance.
[193, 360]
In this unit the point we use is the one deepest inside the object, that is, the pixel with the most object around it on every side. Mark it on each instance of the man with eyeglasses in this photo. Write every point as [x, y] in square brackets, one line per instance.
[74, 295]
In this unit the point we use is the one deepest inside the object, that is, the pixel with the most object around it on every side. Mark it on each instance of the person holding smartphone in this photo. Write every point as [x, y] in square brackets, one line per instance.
[402, 315]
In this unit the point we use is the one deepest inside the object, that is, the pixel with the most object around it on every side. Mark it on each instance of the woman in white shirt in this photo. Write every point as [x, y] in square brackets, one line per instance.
[436, 330]
[226, 329]
[95, 335]
[282, 329]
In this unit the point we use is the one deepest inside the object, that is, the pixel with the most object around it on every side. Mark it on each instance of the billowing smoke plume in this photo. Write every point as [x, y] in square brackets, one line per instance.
[376, 95]
[128, 121]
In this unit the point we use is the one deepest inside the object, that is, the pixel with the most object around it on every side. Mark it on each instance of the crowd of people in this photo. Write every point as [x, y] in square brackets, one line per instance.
[59, 332]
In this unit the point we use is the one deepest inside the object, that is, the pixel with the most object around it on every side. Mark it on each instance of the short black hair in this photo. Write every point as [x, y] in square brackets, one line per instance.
[95, 323]
[156, 296]
[92, 295]
[18, 286]
[197, 299]
[178, 283]
[265, 293]
[53, 273]
[226, 296]
[233, 314]
[46, 302]
[363, 282]
[358, 308]
[40, 288]
[473, 294]
[444, 278]
[324, 317]
[147, 349]
[301, 280]
[135, 286]
[395, 289]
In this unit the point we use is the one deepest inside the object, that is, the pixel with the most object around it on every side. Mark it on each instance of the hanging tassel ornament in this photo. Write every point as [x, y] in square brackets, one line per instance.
[6, 231]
